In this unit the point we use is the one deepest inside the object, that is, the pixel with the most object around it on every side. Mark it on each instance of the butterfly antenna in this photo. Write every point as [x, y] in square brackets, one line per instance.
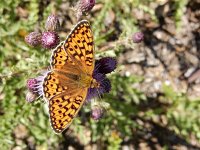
[39, 97]
[49, 67]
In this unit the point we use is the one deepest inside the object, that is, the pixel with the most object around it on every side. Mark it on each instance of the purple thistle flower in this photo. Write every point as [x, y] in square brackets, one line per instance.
[34, 85]
[33, 38]
[105, 87]
[97, 112]
[50, 39]
[138, 37]
[105, 65]
[102, 67]
[31, 84]
[52, 23]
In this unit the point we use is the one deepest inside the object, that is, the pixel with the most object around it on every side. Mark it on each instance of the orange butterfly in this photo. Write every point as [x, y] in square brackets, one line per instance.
[66, 85]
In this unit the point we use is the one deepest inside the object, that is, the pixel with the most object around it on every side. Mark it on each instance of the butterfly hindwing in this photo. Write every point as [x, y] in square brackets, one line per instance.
[51, 86]
[63, 108]
[55, 83]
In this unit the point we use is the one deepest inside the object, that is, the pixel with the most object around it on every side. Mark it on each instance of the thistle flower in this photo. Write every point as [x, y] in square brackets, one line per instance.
[33, 38]
[84, 6]
[34, 86]
[50, 39]
[30, 96]
[97, 112]
[138, 37]
[106, 65]
[31, 84]
[105, 87]
[102, 67]
[52, 23]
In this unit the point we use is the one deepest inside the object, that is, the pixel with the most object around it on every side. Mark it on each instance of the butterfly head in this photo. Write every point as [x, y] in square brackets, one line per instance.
[94, 84]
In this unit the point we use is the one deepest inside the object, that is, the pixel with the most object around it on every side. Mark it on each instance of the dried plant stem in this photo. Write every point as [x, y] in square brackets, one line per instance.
[113, 45]
[18, 73]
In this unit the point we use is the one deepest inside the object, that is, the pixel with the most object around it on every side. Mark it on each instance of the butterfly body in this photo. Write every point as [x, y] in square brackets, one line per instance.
[66, 85]
[83, 80]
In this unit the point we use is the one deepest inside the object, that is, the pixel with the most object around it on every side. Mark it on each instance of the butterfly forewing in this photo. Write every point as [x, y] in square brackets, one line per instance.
[60, 58]
[80, 46]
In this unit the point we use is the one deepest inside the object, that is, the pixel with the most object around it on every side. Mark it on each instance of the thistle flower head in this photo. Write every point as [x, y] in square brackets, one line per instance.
[102, 67]
[138, 37]
[50, 39]
[105, 87]
[52, 23]
[31, 84]
[106, 65]
[35, 84]
[97, 112]
[33, 38]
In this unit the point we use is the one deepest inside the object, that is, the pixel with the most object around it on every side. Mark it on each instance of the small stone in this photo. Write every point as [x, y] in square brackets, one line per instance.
[20, 132]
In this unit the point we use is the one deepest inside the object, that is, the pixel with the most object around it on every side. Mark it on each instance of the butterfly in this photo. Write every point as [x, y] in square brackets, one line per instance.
[66, 85]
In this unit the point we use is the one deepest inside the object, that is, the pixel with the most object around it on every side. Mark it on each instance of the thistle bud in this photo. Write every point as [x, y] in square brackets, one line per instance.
[52, 23]
[97, 112]
[50, 39]
[84, 6]
[33, 38]
[138, 37]
[30, 96]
